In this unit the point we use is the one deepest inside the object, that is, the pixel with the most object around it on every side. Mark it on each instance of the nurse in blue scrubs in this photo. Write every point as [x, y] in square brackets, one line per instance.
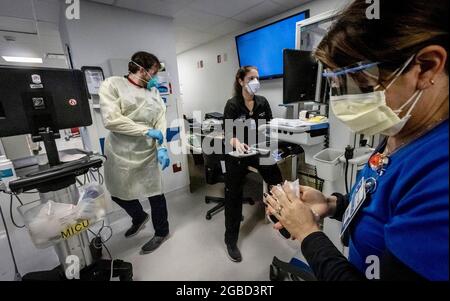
[390, 77]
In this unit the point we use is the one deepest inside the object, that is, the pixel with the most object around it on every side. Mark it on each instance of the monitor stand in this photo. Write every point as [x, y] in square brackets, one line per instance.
[48, 137]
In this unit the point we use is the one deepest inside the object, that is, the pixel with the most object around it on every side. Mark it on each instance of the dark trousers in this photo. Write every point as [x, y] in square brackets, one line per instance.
[236, 169]
[159, 213]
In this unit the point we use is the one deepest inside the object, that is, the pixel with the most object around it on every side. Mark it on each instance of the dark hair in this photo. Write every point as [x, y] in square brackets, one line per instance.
[145, 59]
[240, 75]
[404, 27]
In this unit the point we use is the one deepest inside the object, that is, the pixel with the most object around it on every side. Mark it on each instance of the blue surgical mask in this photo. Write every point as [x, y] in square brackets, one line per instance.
[152, 83]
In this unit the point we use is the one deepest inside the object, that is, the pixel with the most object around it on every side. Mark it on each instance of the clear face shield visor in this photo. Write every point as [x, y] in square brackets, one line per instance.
[361, 78]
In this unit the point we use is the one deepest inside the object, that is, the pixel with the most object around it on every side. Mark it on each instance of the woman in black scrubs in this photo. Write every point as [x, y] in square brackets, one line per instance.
[248, 111]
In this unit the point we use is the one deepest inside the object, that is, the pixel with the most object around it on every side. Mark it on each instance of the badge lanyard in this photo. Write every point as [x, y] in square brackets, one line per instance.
[366, 187]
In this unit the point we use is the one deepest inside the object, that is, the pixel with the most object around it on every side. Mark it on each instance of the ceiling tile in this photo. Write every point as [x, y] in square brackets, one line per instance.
[158, 7]
[110, 2]
[186, 35]
[261, 12]
[16, 8]
[51, 44]
[227, 27]
[25, 45]
[291, 3]
[197, 20]
[226, 8]
[48, 29]
[137, 5]
[47, 11]
[21, 38]
[17, 25]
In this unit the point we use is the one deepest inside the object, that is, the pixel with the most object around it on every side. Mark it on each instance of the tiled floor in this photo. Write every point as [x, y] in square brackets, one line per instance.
[195, 250]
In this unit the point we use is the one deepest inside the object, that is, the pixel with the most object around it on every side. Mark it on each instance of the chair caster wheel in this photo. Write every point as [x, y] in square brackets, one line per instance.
[208, 217]
[207, 201]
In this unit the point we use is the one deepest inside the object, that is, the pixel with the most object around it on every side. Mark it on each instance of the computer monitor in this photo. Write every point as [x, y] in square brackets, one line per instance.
[300, 76]
[33, 100]
[40, 102]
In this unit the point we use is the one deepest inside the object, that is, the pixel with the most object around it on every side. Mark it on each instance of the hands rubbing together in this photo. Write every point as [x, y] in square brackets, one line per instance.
[299, 216]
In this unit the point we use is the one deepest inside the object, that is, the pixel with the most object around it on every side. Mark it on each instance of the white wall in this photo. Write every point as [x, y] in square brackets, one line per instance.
[209, 88]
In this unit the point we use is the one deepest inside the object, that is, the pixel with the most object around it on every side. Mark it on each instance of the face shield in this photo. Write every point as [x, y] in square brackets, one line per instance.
[358, 98]
[361, 78]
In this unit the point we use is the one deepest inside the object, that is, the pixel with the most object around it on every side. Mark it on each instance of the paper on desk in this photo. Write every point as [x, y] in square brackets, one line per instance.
[65, 158]
[295, 123]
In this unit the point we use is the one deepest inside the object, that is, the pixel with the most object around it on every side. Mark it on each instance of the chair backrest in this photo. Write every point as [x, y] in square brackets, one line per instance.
[293, 271]
[214, 169]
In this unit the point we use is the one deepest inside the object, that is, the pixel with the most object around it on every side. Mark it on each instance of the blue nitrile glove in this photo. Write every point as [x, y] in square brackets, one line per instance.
[163, 158]
[157, 135]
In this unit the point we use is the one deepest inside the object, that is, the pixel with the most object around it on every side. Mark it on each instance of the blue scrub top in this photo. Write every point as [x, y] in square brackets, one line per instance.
[408, 213]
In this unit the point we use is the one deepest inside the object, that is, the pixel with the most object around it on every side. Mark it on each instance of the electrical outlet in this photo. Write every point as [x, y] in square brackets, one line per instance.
[177, 167]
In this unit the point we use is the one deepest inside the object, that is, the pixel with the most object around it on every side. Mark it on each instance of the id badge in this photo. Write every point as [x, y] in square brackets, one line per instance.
[357, 198]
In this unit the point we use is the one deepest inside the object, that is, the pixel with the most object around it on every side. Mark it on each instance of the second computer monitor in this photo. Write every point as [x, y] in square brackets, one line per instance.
[300, 76]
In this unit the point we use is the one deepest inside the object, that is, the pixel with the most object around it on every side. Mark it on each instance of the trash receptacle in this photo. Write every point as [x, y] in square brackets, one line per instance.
[328, 164]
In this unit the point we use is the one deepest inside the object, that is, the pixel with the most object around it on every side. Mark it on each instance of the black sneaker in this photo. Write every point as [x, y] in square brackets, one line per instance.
[153, 244]
[233, 253]
[134, 230]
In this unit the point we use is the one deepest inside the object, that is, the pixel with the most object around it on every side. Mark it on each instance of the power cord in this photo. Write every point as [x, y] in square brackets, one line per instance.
[11, 200]
[349, 153]
[98, 238]
[100, 176]
[79, 182]
[17, 275]
[11, 211]
[102, 241]
[92, 175]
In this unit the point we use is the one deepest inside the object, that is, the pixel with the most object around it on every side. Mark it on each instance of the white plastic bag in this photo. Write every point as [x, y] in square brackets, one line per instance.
[46, 226]
[91, 205]
[51, 222]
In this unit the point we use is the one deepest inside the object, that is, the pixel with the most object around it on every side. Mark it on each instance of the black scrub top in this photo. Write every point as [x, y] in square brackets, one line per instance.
[235, 109]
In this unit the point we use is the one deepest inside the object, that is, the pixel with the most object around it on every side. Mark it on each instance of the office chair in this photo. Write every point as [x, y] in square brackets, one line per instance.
[214, 175]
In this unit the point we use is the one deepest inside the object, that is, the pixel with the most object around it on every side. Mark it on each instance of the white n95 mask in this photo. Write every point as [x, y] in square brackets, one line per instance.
[368, 113]
[253, 86]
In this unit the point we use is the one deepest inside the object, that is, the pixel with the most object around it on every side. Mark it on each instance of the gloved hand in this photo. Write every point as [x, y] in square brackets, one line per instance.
[157, 135]
[163, 158]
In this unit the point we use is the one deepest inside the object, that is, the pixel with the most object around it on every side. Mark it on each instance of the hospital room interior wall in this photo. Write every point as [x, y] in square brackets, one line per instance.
[207, 89]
